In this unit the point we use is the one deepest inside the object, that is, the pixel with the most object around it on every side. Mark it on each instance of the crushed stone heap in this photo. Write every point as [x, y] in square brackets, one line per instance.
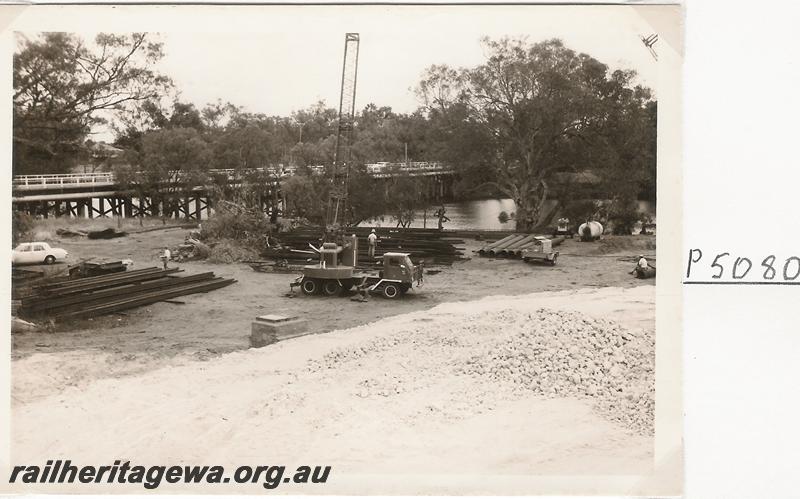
[512, 354]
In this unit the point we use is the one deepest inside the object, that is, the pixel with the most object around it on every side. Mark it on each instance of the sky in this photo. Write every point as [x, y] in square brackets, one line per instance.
[281, 59]
[277, 73]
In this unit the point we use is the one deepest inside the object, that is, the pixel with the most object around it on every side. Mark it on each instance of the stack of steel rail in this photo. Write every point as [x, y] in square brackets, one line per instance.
[92, 296]
[431, 245]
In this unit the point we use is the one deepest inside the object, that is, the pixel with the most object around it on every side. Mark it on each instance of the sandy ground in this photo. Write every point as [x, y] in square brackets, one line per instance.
[174, 383]
[396, 408]
[212, 324]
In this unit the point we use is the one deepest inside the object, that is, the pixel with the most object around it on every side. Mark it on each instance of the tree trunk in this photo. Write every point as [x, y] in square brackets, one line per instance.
[524, 218]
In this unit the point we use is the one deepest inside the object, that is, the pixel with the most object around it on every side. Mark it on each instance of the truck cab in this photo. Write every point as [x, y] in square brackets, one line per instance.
[398, 267]
[398, 275]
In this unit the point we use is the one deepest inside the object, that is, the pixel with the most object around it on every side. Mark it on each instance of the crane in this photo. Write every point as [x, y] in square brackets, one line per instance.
[337, 205]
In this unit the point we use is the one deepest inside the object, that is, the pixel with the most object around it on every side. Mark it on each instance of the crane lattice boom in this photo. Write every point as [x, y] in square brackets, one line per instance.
[338, 207]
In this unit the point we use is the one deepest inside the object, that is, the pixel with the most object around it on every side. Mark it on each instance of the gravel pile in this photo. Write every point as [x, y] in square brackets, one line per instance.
[566, 354]
[547, 352]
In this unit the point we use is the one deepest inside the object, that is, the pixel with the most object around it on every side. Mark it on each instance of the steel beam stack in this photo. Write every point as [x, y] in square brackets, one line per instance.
[430, 245]
[93, 296]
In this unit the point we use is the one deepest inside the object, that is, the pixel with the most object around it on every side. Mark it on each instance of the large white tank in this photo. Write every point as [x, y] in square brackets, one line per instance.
[590, 231]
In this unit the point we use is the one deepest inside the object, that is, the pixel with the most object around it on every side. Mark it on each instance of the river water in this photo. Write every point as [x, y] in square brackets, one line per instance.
[479, 214]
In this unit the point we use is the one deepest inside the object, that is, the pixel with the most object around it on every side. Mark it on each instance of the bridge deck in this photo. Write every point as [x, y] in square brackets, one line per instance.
[27, 185]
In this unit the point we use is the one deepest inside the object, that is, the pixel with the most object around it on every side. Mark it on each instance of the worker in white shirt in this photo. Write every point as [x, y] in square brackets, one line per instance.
[641, 265]
[166, 256]
[372, 240]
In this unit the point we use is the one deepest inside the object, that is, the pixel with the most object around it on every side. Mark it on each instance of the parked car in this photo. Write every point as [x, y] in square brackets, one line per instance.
[32, 253]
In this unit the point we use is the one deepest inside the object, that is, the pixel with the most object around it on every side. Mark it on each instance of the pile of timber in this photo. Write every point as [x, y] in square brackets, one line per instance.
[93, 296]
[431, 245]
[513, 245]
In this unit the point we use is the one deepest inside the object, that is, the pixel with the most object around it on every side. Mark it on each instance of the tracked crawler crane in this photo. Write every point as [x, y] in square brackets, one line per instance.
[337, 213]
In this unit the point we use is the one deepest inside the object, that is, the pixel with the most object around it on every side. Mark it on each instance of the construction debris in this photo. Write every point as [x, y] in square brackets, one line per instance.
[191, 249]
[93, 296]
[20, 326]
[279, 267]
[105, 234]
[71, 233]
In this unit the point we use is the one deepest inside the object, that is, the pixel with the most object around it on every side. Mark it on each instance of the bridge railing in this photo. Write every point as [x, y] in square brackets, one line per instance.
[63, 179]
[413, 166]
[88, 179]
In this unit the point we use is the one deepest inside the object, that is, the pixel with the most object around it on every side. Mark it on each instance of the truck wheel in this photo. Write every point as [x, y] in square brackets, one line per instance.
[331, 288]
[50, 260]
[391, 291]
[404, 288]
[553, 261]
[310, 287]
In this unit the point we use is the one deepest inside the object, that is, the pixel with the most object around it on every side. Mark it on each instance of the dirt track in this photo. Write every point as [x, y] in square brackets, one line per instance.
[208, 325]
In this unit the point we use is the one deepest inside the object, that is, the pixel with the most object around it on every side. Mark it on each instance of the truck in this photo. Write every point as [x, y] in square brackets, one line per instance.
[337, 272]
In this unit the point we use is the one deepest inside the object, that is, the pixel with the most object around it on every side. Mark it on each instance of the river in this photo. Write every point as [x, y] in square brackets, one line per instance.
[482, 214]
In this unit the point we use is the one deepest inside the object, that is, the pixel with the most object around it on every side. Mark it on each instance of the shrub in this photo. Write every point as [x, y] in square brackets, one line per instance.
[622, 216]
[580, 211]
[248, 226]
[228, 251]
[21, 226]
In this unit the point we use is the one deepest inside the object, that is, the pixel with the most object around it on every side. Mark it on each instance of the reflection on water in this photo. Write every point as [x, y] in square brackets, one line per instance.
[480, 214]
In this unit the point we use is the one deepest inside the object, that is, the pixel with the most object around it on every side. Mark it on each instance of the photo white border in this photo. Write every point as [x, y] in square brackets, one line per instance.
[667, 20]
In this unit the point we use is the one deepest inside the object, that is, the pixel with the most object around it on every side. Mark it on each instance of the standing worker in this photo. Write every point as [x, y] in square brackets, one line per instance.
[372, 239]
[440, 214]
[165, 256]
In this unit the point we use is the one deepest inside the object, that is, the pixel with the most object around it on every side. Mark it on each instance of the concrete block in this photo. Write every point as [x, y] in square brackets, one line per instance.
[268, 329]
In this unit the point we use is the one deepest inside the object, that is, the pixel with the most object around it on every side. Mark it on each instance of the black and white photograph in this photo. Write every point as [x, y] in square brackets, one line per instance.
[351, 250]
